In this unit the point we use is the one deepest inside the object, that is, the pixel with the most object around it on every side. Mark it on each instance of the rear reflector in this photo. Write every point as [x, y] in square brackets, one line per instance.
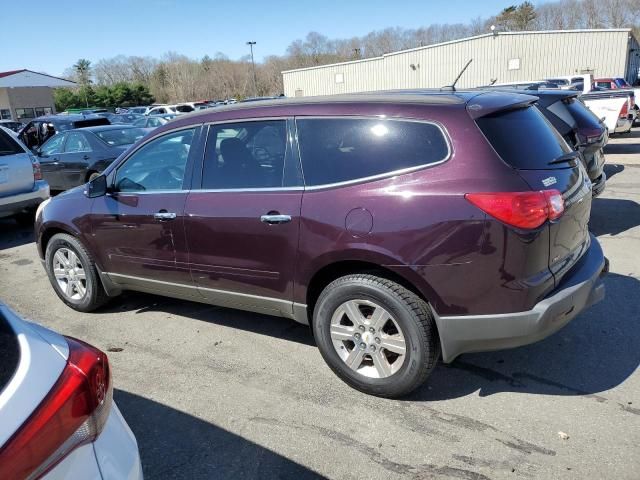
[520, 209]
[73, 413]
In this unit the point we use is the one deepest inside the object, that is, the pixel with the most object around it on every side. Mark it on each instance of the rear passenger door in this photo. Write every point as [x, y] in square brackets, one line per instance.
[242, 217]
[77, 155]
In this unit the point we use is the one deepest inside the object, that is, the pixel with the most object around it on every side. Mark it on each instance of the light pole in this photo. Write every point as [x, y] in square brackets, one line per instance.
[253, 67]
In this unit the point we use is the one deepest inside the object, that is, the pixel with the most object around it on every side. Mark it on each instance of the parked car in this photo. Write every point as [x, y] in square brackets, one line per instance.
[22, 188]
[398, 226]
[174, 109]
[39, 130]
[580, 127]
[76, 156]
[137, 110]
[57, 412]
[153, 121]
[11, 125]
[619, 83]
[582, 82]
[616, 108]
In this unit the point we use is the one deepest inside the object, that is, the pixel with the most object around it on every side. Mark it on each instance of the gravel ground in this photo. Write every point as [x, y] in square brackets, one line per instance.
[216, 393]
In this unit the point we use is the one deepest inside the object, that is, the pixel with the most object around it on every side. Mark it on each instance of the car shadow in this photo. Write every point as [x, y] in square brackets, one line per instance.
[174, 444]
[595, 352]
[630, 145]
[14, 235]
[613, 216]
[611, 169]
[276, 327]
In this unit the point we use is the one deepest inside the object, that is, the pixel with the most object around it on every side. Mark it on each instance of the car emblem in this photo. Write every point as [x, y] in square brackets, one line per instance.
[549, 181]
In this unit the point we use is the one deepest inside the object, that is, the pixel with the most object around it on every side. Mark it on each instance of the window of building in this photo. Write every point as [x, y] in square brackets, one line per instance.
[513, 64]
[22, 113]
[5, 114]
[41, 111]
[338, 150]
[339, 77]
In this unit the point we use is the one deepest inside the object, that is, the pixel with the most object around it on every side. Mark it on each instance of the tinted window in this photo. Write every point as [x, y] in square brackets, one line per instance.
[338, 150]
[9, 352]
[8, 146]
[523, 138]
[76, 142]
[245, 155]
[159, 165]
[53, 146]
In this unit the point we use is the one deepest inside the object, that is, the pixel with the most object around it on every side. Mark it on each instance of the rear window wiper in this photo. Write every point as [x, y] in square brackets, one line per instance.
[567, 157]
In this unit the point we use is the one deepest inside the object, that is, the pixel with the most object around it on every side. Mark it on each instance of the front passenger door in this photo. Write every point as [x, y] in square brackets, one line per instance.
[138, 228]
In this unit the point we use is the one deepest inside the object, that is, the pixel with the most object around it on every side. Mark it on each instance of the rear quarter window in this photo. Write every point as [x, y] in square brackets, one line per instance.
[8, 146]
[523, 138]
[337, 150]
[9, 353]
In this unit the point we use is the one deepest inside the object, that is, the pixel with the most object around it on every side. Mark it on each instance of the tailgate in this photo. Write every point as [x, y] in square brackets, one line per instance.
[16, 169]
[526, 141]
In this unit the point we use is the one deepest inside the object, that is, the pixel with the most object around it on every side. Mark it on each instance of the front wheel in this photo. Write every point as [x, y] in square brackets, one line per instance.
[73, 274]
[376, 335]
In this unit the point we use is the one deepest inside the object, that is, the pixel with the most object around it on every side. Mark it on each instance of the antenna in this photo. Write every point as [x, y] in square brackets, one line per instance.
[452, 87]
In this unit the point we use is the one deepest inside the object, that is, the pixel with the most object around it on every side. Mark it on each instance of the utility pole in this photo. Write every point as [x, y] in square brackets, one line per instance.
[253, 67]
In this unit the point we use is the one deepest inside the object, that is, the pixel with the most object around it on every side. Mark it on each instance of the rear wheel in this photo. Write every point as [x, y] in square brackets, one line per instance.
[73, 274]
[376, 335]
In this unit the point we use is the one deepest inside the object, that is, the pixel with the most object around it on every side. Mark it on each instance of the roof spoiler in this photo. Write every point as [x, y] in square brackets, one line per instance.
[490, 102]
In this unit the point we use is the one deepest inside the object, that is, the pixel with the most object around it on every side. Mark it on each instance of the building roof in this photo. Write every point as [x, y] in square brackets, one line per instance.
[465, 39]
[29, 78]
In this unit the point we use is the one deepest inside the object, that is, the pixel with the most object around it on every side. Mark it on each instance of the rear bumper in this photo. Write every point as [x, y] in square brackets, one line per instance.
[14, 204]
[579, 289]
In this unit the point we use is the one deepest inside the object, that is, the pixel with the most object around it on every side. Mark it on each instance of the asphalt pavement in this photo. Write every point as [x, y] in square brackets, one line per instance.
[216, 393]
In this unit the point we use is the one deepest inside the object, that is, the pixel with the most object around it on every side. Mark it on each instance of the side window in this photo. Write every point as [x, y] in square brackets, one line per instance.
[53, 146]
[245, 155]
[159, 165]
[154, 122]
[337, 150]
[77, 143]
[140, 122]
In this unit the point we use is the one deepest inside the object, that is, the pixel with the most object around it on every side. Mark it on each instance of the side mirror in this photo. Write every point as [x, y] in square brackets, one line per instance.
[97, 187]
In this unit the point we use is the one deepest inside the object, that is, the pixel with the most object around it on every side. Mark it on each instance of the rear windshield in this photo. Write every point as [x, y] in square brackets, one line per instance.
[9, 353]
[523, 138]
[8, 146]
[117, 137]
[91, 123]
[582, 115]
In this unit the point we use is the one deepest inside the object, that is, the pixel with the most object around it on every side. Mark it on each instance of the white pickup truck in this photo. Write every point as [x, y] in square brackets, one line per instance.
[22, 188]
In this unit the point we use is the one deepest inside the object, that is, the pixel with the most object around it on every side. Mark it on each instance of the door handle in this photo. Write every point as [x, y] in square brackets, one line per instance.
[86, 157]
[275, 219]
[164, 216]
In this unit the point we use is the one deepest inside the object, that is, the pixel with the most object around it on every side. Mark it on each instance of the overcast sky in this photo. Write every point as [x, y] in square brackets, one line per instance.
[50, 36]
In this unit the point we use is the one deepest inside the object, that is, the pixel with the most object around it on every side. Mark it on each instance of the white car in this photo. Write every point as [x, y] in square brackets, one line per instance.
[57, 415]
[166, 109]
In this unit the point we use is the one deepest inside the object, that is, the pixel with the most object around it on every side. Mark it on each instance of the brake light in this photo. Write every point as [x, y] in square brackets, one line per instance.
[624, 111]
[525, 210]
[73, 413]
[37, 172]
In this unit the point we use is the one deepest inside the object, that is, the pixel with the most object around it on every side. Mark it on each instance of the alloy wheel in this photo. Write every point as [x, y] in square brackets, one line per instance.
[367, 338]
[69, 274]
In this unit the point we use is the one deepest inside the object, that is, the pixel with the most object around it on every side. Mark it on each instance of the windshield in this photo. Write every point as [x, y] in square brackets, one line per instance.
[523, 138]
[117, 137]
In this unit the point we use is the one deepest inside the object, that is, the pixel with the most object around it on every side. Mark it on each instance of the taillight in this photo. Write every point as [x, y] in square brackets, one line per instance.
[37, 173]
[624, 111]
[520, 209]
[73, 413]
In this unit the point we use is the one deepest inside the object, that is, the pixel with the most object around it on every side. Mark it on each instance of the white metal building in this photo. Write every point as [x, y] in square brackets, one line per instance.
[503, 56]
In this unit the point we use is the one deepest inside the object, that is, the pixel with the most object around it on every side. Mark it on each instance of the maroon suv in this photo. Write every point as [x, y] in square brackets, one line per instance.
[400, 227]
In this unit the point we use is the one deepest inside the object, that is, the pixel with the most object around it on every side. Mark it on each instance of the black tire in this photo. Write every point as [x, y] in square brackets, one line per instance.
[412, 315]
[95, 295]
